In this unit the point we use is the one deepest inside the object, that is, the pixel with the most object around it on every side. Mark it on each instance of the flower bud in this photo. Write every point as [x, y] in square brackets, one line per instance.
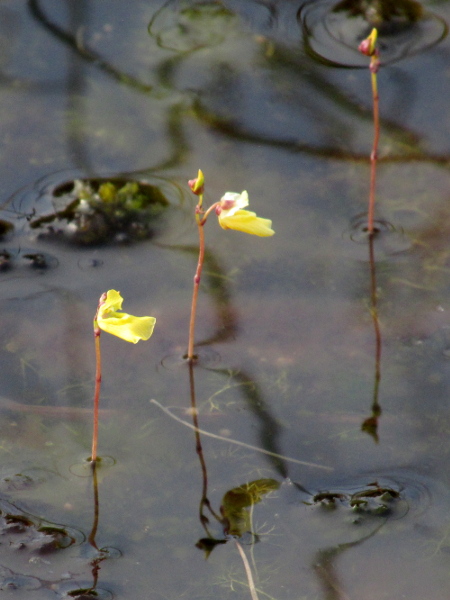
[197, 185]
[368, 46]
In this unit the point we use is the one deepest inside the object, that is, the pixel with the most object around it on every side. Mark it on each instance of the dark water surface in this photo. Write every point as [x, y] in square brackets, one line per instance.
[268, 97]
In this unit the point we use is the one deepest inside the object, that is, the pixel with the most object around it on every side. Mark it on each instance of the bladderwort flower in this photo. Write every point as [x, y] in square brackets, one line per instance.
[109, 318]
[127, 327]
[232, 216]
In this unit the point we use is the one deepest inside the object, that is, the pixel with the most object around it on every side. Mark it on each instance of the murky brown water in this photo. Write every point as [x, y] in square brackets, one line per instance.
[150, 92]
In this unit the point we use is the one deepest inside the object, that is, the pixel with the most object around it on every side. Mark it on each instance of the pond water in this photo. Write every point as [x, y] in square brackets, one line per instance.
[324, 370]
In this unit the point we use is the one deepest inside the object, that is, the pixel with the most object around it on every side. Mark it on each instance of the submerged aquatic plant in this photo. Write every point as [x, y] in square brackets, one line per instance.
[110, 318]
[369, 48]
[231, 215]
[98, 211]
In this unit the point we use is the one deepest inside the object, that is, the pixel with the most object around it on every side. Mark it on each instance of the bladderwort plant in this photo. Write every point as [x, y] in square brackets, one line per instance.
[110, 318]
[231, 213]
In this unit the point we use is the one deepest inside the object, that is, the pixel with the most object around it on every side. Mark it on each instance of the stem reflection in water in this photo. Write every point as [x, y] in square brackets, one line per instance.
[204, 501]
[95, 564]
[324, 567]
[99, 554]
[370, 425]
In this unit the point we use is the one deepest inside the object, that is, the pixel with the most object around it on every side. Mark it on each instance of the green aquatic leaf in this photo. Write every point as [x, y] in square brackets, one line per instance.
[236, 501]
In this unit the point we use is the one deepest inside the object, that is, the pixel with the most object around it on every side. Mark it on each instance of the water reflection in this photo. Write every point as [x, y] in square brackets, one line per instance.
[370, 424]
[263, 107]
[326, 570]
[73, 39]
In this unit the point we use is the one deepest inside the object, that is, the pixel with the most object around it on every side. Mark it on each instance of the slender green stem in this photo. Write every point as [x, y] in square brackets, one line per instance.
[98, 381]
[197, 278]
[374, 64]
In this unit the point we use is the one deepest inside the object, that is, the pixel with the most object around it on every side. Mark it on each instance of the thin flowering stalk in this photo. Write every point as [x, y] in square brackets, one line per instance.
[98, 382]
[197, 186]
[197, 278]
[374, 66]
[368, 47]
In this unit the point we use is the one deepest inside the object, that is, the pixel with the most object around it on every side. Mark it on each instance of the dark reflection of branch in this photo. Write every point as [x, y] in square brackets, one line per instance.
[175, 112]
[370, 425]
[323, 565]
[76, 84]
[235, 130]
[70, 40]
[269, 429]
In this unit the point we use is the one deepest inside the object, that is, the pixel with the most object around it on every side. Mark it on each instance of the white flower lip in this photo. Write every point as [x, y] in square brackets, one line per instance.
[231, 202]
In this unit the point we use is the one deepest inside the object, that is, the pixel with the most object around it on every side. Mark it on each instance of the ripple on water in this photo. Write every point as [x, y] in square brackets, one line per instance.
[185, 26]
[333, 30]
[13, 582]
[388, 240]
[204, 357]
[83, 467]
[341, 512]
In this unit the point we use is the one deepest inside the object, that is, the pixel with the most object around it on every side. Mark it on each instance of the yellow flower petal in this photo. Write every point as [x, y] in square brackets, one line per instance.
[113, 302]
[127, 327]
[246, 221]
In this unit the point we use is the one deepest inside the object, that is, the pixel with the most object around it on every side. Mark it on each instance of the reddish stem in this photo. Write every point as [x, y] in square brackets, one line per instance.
[374, 155]
[197, 278]
[98, 381]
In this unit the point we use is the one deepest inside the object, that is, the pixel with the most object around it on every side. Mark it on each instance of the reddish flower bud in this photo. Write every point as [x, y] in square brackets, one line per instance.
[364, 47]
[197, 185]
[367, 46]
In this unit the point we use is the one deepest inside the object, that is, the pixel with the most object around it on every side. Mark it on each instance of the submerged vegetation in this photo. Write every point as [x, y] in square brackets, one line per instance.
[98, 211]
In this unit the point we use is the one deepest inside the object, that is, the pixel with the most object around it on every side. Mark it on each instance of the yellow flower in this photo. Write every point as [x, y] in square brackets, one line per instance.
[129, 328]
[231, 216]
